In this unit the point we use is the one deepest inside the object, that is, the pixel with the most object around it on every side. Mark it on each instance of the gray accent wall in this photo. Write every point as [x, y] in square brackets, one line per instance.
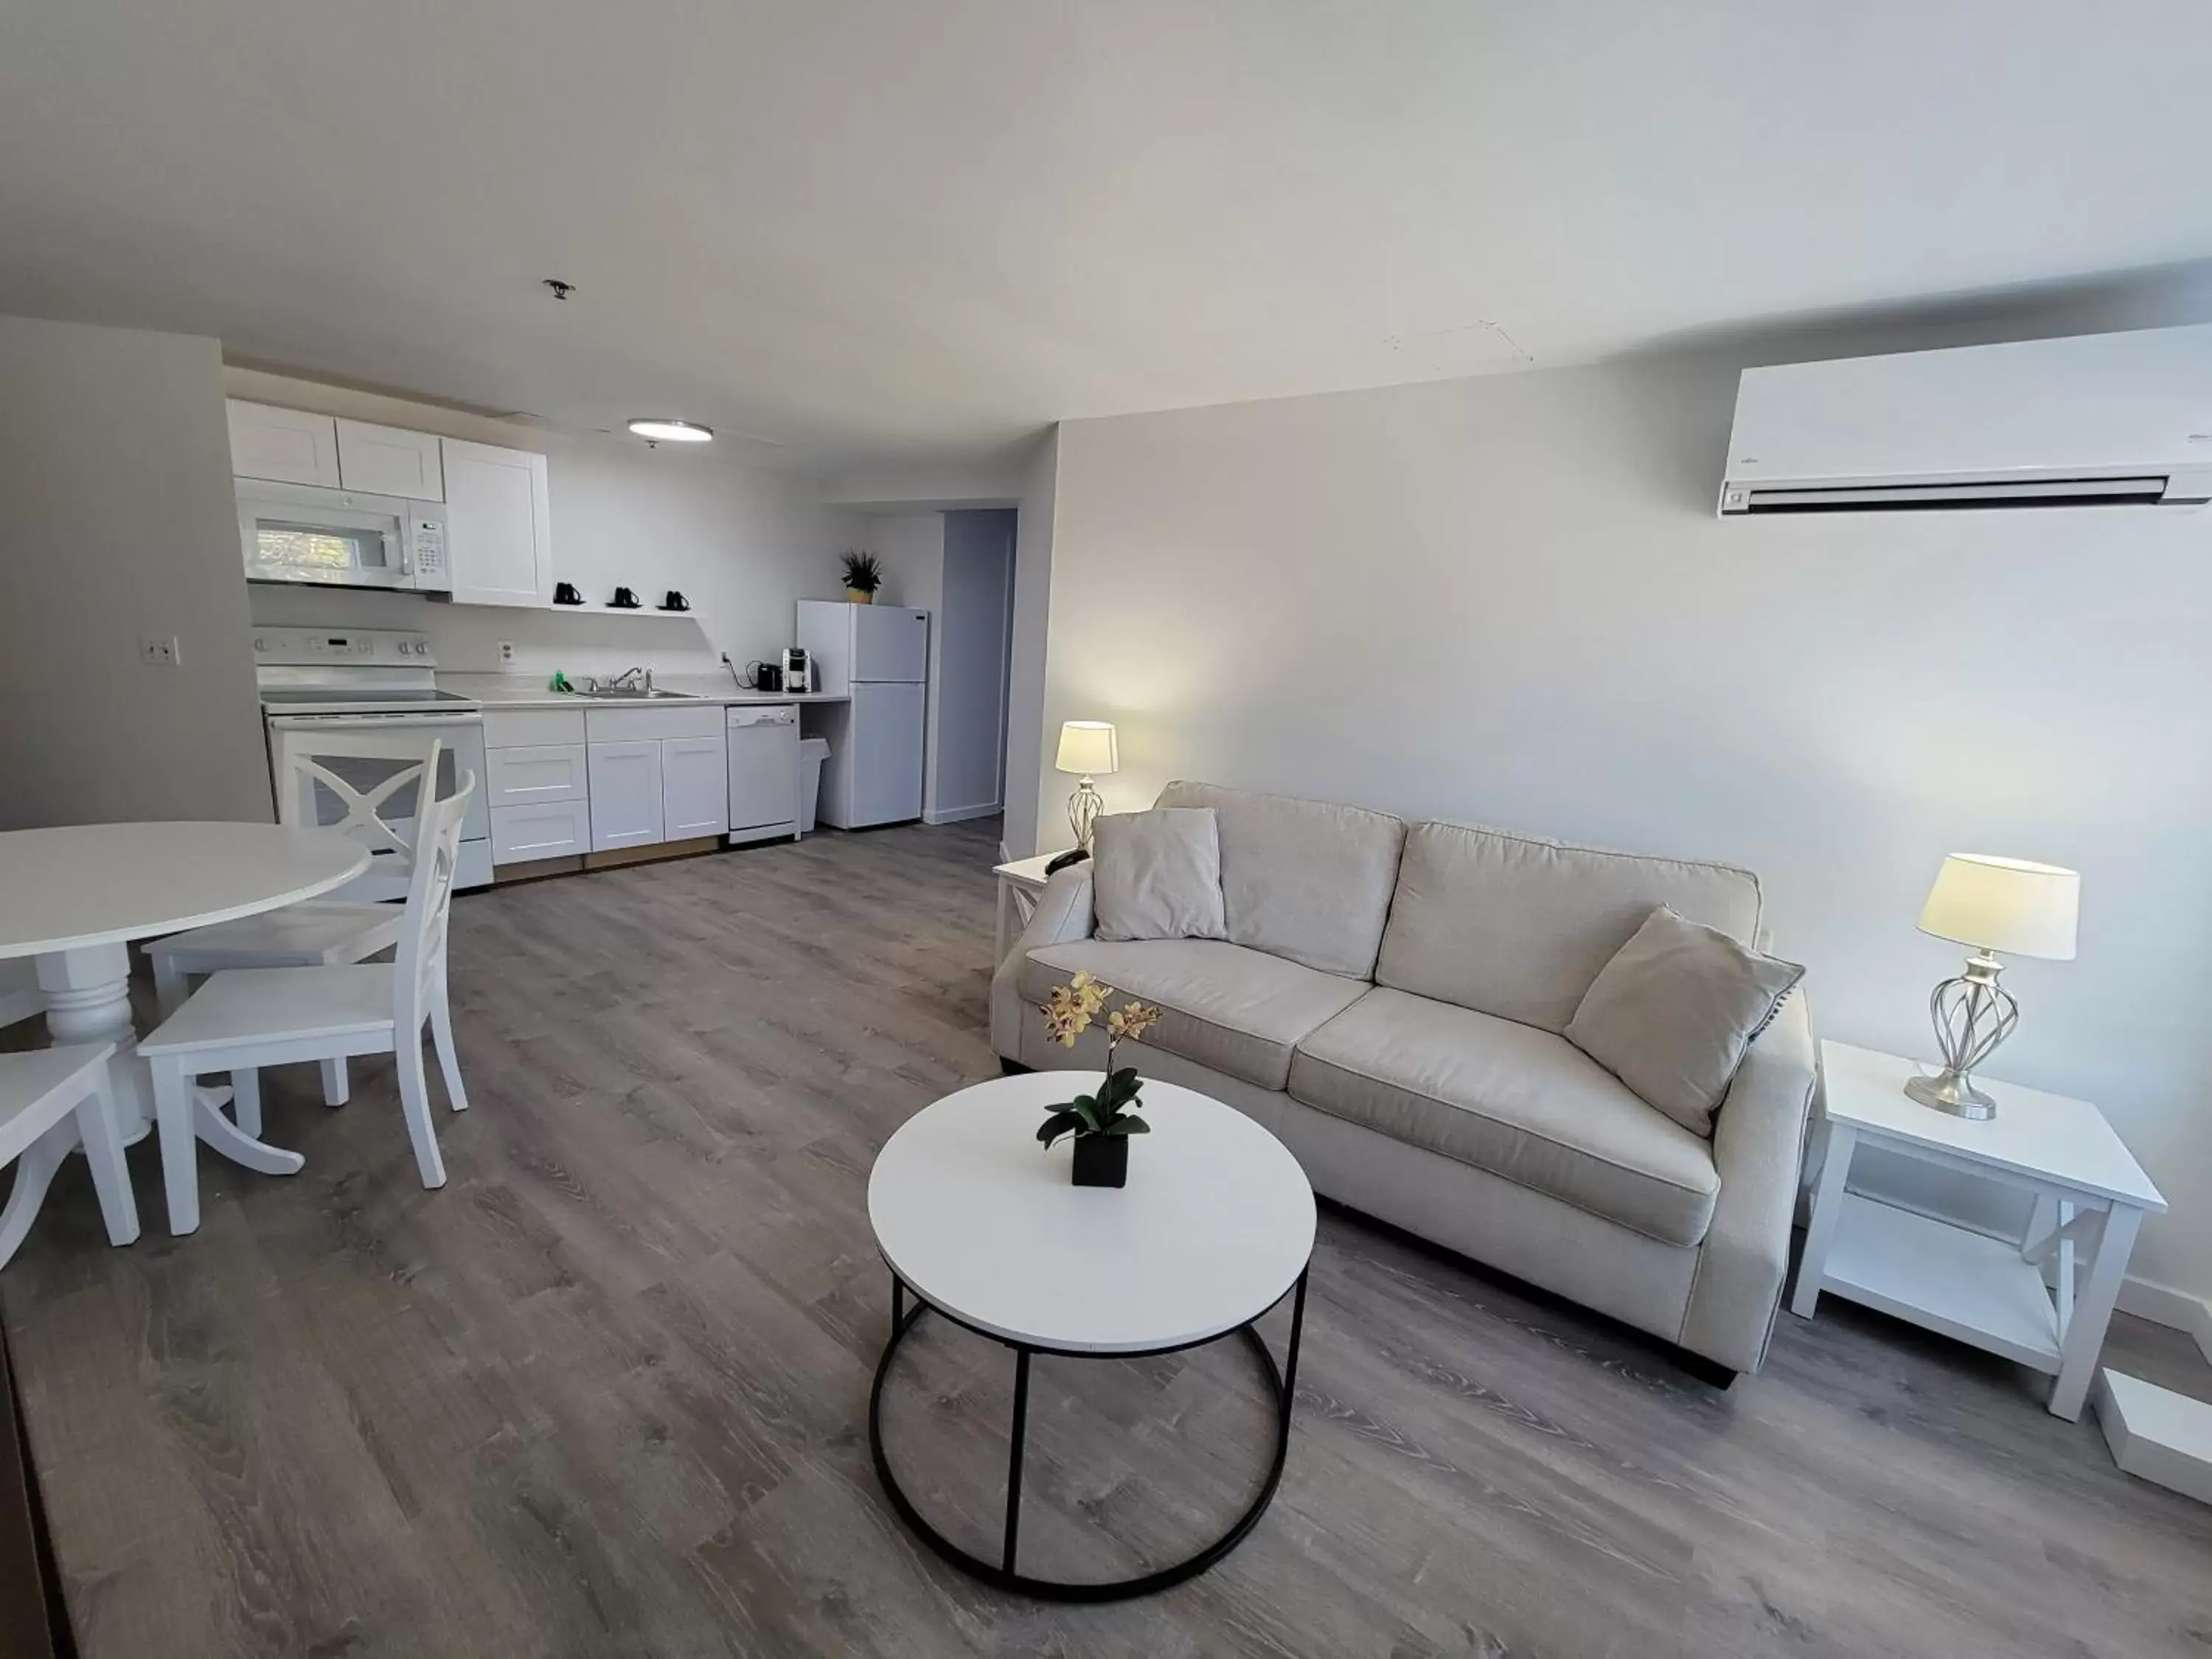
[974, 626]
[118, 520]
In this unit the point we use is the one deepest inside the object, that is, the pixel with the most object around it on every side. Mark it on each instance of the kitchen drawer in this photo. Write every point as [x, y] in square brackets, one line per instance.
[545, 830]
[519, 728]
[682, 720]
[548, 830]
[525, 776]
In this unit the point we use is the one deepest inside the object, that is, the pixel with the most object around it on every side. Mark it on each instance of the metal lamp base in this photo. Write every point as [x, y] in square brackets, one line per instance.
[1950, 1091]
[1971, 1014]
[1082, 809]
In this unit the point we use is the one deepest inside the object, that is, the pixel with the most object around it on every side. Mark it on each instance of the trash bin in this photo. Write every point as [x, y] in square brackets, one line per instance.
[812, 751]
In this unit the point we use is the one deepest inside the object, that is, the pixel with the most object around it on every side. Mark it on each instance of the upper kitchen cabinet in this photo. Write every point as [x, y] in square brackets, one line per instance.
[291, 445]
[382, 460]
[498, 537]
[287, 445]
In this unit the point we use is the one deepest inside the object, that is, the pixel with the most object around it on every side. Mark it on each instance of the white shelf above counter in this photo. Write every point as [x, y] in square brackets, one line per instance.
[528, 691]
[653, 611]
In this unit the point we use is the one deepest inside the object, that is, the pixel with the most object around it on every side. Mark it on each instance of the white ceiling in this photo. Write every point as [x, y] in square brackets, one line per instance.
[917, 229]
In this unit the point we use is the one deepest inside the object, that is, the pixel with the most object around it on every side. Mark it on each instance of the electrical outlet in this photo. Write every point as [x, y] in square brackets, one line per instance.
[507, 651]
[160, 649]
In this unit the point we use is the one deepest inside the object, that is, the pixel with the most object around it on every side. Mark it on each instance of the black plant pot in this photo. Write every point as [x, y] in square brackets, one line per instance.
[1101, 1160]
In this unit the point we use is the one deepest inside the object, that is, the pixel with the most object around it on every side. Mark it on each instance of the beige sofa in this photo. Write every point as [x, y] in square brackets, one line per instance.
[1389, 1002]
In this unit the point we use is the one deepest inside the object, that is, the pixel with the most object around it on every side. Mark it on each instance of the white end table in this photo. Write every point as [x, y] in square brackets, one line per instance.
[1019, 884]
[2088, 1191]
[984, 1228]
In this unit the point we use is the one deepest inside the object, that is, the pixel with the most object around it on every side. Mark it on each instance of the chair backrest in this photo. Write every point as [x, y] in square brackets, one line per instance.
[404, 772]
[420, 964]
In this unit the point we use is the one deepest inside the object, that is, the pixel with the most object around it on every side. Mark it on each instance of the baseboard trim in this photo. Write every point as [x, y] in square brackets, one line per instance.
[2162, 1304]
[958, 814]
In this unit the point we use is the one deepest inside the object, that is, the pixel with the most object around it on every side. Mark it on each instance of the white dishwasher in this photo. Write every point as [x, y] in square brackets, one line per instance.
[763, 771]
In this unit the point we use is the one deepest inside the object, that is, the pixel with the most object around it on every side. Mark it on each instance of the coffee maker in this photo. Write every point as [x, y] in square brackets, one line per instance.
[798, 669]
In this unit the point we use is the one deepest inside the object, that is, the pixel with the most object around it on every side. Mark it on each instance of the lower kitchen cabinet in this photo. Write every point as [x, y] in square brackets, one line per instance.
[625, 794]
[532, 776]
[563, 782]
[544, 829]
[694, 786]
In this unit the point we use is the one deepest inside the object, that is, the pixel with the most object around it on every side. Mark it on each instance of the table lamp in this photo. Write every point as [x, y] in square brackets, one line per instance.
[1086, 747]
[1993, 904]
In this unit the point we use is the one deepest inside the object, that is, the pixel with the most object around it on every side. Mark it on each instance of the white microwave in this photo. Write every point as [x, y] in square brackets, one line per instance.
[341, 538]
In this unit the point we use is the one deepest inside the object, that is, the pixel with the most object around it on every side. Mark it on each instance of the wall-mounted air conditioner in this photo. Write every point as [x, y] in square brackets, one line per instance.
[2097, 420]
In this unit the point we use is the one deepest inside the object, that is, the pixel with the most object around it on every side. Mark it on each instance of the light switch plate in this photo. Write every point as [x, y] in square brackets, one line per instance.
[160, 649]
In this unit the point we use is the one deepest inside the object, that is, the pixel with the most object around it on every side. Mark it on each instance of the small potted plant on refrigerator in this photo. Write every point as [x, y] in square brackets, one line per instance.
[864, 575]
[1102, 1123]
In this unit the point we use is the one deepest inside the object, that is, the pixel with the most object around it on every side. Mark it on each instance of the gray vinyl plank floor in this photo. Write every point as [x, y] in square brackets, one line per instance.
[606, 1393]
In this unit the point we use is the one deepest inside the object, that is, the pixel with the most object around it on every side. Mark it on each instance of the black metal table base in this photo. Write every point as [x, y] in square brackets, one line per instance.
[1282, 1384]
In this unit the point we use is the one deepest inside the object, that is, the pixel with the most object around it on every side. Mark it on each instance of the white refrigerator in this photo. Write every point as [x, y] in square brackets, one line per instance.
[877, 656]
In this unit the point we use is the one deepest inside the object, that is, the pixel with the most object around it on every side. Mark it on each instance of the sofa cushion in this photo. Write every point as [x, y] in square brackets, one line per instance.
[1158, 874]
[1519, 927]
[1506, 1097]
[1673, 1013]
[1222, 1006]
[1304, 879]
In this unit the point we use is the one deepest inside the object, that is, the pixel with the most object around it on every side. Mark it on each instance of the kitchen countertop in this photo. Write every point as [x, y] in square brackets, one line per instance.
[528, 691]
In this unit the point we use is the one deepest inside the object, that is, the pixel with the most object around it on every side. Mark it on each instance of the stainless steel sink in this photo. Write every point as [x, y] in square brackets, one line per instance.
[637, 694]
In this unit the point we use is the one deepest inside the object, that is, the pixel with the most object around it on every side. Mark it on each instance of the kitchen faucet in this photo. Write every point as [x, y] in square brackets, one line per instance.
[636, 682]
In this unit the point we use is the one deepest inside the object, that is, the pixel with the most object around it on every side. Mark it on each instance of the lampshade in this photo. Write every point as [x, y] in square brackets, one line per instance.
[2010, 905]
[1087, 747]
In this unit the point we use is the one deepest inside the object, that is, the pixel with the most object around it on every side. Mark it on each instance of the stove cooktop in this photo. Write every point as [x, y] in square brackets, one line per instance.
[336, 696]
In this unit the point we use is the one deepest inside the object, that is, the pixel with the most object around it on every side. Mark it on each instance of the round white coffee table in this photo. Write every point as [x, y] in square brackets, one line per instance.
[984, 1227]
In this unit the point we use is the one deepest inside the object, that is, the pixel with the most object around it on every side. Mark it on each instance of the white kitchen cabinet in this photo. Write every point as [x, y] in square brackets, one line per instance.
[546, 830]
[532, 776]
[671, 718]
[625, 791]
[498, 533]
[694, 786]
[384, 460]
[287, 445]
[527, 728]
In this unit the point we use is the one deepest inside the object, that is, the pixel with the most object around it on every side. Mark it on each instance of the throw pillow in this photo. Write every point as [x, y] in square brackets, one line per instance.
[1672, 1014]
[1158, 874]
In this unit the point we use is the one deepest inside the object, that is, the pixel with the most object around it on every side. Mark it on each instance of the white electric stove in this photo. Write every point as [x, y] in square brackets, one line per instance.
[383, 680]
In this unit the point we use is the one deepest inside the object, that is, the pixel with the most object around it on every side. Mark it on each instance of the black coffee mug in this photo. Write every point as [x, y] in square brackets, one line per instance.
[566, 593]
[624, 599]
[675, 601]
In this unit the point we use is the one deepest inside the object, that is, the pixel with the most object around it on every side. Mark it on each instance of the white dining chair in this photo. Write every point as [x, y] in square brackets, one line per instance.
[244, 1019]
[316, 933]
[39, 1091]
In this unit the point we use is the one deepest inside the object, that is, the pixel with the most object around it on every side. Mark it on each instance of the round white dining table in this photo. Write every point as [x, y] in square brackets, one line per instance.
[74, 897]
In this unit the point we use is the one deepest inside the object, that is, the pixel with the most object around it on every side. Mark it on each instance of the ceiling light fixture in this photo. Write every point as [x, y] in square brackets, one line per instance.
[657, 431]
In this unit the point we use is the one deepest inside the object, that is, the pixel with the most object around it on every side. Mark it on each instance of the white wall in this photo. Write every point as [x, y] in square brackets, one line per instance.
[743, 543]
[116, 521]
[970, 698]
[1026, 669]
[1508, 600]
